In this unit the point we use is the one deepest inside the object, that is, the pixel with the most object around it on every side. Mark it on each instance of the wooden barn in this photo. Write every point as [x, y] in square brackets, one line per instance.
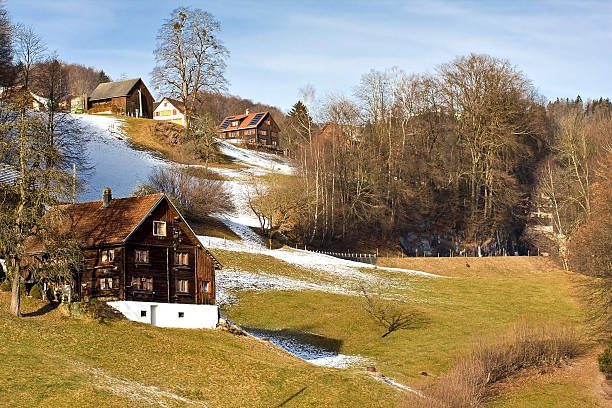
[139, 249]
[130, 97]
[257, 128]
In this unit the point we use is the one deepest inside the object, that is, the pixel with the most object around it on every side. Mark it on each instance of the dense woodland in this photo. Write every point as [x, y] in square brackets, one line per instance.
[469, 157]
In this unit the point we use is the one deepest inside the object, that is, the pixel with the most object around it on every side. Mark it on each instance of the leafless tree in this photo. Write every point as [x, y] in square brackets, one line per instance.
[189, 57]
[194, 196]
[391, 314]
[29, 50]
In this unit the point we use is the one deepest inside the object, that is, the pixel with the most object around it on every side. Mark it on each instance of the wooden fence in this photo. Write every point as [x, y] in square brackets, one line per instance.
[363, 258]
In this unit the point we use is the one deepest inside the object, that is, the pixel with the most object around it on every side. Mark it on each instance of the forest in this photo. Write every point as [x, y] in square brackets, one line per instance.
[469, 160]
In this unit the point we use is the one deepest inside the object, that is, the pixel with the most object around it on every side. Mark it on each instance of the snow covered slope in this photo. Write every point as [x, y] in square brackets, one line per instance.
[115, 163]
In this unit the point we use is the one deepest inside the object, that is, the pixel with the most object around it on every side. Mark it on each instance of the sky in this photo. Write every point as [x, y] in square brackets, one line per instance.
[278, 47]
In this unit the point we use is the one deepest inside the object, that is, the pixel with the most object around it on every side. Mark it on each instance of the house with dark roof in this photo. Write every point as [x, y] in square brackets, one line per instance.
[129, 97]
[258, 128]
[169, 110]
[141, 255]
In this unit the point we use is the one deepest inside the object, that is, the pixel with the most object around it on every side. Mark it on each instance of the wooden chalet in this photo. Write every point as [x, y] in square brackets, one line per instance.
[138, 249]
[130, 97]
[255, 128]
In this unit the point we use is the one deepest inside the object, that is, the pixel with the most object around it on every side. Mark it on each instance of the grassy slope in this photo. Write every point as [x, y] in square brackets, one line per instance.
[51, 360]
[140, 133]
[481, 300]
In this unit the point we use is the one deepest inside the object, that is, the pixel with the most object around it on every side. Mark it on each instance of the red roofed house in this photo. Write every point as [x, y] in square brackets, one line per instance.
[140, 254]
[255, 128]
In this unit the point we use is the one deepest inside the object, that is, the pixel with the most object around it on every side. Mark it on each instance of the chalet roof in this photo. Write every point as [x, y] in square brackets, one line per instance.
[8, 174]
[95, 225]
[109, 90]
[250, 121]
[176, 103]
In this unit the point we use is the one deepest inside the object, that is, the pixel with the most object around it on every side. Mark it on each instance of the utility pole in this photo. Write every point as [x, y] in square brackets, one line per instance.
[74, 180]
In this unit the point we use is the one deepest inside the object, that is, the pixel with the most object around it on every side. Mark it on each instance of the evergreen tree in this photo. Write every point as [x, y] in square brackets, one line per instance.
[102, 77]
[300, 126]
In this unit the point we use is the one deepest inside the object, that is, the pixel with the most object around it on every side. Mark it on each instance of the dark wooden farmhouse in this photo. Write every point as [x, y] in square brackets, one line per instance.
[139, 249]
[130, 97]
[255, 128]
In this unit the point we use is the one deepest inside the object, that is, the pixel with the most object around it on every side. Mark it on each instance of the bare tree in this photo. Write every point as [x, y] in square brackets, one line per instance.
[29, 50]
[7, 72]
[391, 314]
[194, 196]
[189, 57]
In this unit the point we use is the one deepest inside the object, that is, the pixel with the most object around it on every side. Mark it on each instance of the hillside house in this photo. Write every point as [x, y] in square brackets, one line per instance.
[130, 97]
[169, 110]
[258, 128]
[142, 256]
[34, 101]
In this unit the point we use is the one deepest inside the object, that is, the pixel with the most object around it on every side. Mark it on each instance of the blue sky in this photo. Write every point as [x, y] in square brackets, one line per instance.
[277, 47]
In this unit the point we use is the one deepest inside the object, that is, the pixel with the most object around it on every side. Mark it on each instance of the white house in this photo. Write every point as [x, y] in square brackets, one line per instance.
[170, 110]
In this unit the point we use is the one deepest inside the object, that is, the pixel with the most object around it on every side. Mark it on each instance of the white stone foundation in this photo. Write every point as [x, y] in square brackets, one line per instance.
[186, 316]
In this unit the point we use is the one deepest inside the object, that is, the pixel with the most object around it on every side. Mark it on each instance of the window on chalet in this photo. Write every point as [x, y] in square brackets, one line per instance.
[105, 283]
[263, 132]
[107, 256]
[206, 286]
[141, 283]
[174, 111]
[235, 123]
[159, 228]
[141, 256]
[182, 286]
[268, 122]
[181, 258]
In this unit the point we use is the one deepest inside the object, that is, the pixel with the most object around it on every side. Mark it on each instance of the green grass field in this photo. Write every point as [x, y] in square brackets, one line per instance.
[54, 360]
[49, 359]
[472, 302]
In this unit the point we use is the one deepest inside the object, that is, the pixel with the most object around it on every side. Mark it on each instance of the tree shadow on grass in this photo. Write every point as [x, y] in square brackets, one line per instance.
[302, 343]
[49, 307]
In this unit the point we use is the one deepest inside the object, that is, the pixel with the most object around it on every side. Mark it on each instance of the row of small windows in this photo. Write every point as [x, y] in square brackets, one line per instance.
[165, 113]
[146, 284]
[141, 256]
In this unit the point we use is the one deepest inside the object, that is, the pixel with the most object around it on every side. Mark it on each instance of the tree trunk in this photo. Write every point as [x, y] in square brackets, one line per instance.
[15, 295]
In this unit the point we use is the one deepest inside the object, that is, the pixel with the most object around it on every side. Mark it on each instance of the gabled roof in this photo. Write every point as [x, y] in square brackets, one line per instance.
[250, 121]
[176, 103]
[109, 90]
[95, 225]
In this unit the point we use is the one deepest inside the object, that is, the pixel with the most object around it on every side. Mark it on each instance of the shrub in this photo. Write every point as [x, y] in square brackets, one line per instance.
[605, 362]
[493, 359]
[5, 286]
[194, 196]
[35, 292]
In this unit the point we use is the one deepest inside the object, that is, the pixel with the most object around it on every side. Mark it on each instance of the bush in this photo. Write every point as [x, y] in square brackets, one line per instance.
[195, 197]
[35, 292]
[492, 360]
[5, 286]
[605, 362]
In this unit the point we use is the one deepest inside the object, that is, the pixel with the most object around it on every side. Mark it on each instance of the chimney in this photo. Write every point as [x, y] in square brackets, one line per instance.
[107, 197]
[247, 111]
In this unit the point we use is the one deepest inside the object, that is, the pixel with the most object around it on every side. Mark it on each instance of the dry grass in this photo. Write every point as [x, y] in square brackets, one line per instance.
[468, 383]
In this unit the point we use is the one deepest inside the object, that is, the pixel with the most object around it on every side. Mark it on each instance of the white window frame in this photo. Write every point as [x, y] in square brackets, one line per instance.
[156, 229]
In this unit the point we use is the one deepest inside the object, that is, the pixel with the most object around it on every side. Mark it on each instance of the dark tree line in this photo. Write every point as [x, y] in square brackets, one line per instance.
[454, 158]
